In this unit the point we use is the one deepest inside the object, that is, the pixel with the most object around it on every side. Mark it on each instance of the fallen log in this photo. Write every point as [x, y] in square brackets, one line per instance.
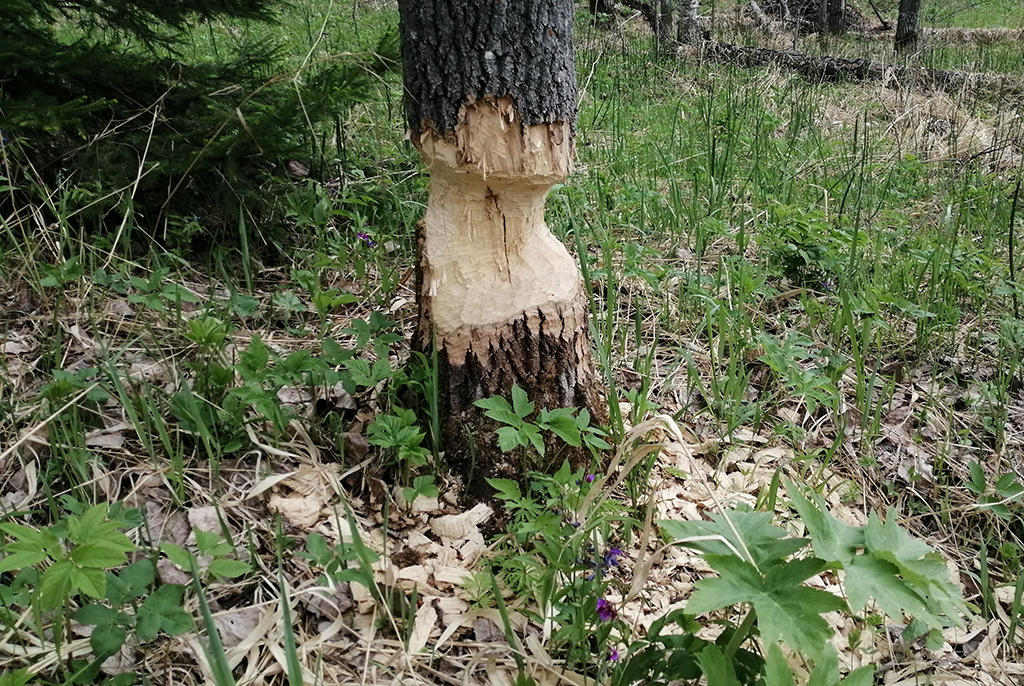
[825, 68]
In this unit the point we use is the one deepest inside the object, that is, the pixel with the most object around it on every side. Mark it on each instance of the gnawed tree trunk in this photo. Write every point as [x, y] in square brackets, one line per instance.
[491, 104]
[906, 26]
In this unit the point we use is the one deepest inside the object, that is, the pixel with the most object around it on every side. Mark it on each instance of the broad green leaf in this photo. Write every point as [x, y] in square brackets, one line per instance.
[832, 539]
[177, 555]
[509, 438]
[865, 676]
[82, 529]
[138, 577]
[826, 669]
[532, 434]
[228, 569]
[767, 544]
[717, 668]
[923, 569]
[95, 615]
[13, 560]
[887, 536]
[507, 489]
[566, 429]
[776, 668]
[521, 402]
[209, 543]
[786, 610]
[30, 547]
[869, 577]
[977, 482]
[493, 403]
[107, 639]
[17, 677]
[505, 417]
[161, 611]
[89, 581]
[98, 555]
[55, 584]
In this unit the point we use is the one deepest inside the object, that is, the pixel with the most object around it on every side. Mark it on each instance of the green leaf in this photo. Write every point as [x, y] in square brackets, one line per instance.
[98, 555]
[14, 560]
[865, 676]
[870, 577]
[506, 489]
[919, 566]
[107, 639]
[786, 610]
[82, 529]
[424, 485]
[532, 434]
[832, 539]
[743, 530]
[224, 568]
[509, 438]
[17, 677]
[30, 547]
[177, 555]
[977, 482]
[521, 402]
[89, 581]
[562, 426]
[161, 611]
[137, 577]
[210, 543]
[777, 671]
[498, 409]
[94, 615]
[717, 668]
[55, 585]
[826, 671]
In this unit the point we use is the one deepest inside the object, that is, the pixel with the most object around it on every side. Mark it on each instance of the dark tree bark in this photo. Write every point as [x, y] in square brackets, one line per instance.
[490, 99]
[831, 16]
[906, 26]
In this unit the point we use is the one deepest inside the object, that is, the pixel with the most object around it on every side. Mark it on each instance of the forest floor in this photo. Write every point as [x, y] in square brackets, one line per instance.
[794, 285]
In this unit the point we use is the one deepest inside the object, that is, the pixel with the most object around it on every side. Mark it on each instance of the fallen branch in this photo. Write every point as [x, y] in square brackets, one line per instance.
[824, 68]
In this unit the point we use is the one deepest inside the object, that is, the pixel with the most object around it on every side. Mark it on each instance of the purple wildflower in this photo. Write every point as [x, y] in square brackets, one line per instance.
[611, 558]
[613, 655]
[590, 478]
[365, 238]
[605, 610]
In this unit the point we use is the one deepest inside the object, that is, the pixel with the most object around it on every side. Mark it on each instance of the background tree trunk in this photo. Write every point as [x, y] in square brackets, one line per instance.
[906, 26]
[666, 9]
[832, 16]
[491, 104]
[690, 29]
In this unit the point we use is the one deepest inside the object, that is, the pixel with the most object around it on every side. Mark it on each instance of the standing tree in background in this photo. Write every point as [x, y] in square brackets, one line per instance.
[490, 100]
[691, 29]
[906, 26]
[831, 16]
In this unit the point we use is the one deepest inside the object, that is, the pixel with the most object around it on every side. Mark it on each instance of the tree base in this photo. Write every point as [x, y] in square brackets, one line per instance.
[545, 352]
